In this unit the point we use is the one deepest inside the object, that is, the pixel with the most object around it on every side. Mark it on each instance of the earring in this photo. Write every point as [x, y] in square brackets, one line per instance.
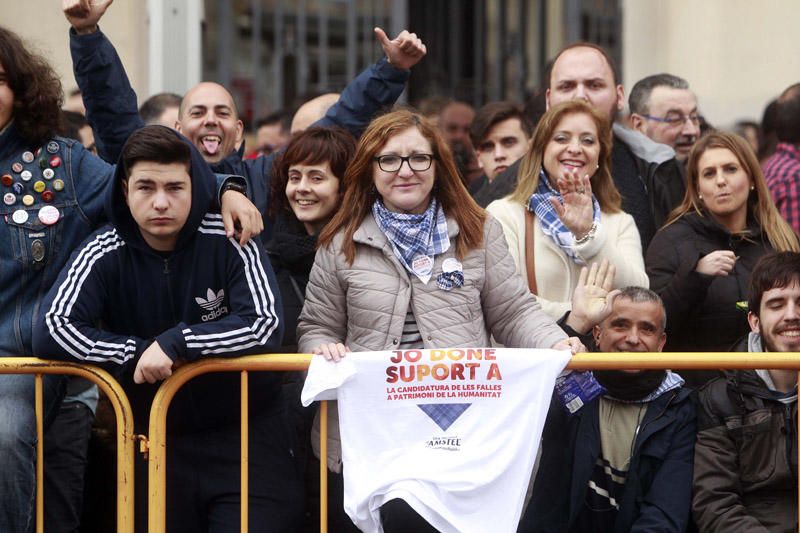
[752, 187]
[699, 196]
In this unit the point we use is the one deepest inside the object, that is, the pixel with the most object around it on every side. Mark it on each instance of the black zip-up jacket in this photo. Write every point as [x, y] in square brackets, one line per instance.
[291, 252]
[209, 297]
[657, 492]
[745, 473]
[702, 314]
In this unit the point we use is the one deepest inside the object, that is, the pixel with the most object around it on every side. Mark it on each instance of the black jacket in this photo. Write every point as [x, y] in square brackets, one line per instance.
[209, 297]
[657, 492]
[291, 252]
[745, 475]
[702, 313]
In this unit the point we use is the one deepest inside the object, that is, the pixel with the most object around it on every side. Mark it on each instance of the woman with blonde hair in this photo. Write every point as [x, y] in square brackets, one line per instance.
[413, 262]
[565, 211]
[701, 260]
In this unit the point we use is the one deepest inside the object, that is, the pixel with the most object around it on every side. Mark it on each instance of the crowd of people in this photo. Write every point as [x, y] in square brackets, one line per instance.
[143, 238]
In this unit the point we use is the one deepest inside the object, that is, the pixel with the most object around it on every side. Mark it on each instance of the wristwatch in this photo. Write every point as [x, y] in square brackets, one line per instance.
[233, 185]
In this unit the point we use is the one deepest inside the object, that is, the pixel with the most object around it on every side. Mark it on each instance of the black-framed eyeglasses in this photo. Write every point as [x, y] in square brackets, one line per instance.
[676, 119]
[416, 162]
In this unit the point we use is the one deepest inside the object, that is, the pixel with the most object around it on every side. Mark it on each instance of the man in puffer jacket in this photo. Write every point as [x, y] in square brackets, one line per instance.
[745, 465]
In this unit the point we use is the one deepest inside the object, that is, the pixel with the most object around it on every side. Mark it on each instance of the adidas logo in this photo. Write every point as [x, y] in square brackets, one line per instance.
[212, 303]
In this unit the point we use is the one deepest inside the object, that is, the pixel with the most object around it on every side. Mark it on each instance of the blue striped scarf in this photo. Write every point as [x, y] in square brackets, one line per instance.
[540, 205]
[414, 236]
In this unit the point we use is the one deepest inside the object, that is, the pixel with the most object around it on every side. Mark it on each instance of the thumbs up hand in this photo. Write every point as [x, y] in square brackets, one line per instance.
[404, 51]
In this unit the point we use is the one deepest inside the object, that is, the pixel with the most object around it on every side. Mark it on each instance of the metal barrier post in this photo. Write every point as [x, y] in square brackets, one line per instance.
[158, 417]
[245, 460]
[39, 410]
[125, 432]
[323, 467]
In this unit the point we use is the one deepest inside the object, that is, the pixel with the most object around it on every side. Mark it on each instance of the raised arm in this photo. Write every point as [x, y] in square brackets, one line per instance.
[512, 313]
[110, 101]
[622, 249]
[379, 86]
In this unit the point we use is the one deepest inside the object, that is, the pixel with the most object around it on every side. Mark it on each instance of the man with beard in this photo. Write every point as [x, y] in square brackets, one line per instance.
[622, 461]
[745, 464]
[645, 172]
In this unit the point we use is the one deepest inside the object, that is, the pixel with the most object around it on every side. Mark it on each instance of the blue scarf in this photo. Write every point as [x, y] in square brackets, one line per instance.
[415, 239]
[540, 205]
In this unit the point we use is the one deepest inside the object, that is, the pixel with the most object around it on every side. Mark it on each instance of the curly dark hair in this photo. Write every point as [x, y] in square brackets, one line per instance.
[36, 88]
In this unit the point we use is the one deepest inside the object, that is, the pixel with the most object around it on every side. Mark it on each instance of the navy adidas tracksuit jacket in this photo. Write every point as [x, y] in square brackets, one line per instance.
[210, 297]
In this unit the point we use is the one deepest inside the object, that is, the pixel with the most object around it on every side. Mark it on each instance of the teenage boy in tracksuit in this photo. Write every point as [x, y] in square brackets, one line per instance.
[166, 285]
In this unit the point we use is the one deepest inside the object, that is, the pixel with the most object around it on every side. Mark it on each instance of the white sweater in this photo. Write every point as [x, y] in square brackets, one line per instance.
[617, 240]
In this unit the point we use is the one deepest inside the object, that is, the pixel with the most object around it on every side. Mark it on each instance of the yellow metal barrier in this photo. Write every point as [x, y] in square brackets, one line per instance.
[158, 428]
[125, 435]
[692, 361]
[283, 362]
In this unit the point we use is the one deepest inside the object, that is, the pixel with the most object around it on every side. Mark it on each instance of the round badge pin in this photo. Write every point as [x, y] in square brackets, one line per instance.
[451, 264]
[52, 147]
[18, 188]
[9, 198]
[27, 157]
[48, 173]
[20, 216]
[422, 265]
[7, 180]
[17, 167]
[26, 175]
[44, 163]
[55, 161]
[58, 185]
[39, 186]
[49, 215]
[48, 196]
[28, 199]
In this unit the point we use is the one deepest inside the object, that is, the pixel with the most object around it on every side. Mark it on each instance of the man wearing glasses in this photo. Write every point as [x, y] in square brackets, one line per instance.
[663, 108]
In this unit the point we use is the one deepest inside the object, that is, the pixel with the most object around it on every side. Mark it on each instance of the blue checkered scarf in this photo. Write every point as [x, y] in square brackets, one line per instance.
[540, 205]
[413, 236]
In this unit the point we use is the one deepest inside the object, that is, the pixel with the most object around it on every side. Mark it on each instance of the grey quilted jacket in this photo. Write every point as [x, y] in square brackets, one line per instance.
[364, 304]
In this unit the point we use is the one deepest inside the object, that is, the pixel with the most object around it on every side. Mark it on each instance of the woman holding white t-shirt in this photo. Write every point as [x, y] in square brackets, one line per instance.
[413, 262]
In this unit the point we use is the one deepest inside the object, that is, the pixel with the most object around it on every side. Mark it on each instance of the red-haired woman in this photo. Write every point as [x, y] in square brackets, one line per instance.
[416, 264]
